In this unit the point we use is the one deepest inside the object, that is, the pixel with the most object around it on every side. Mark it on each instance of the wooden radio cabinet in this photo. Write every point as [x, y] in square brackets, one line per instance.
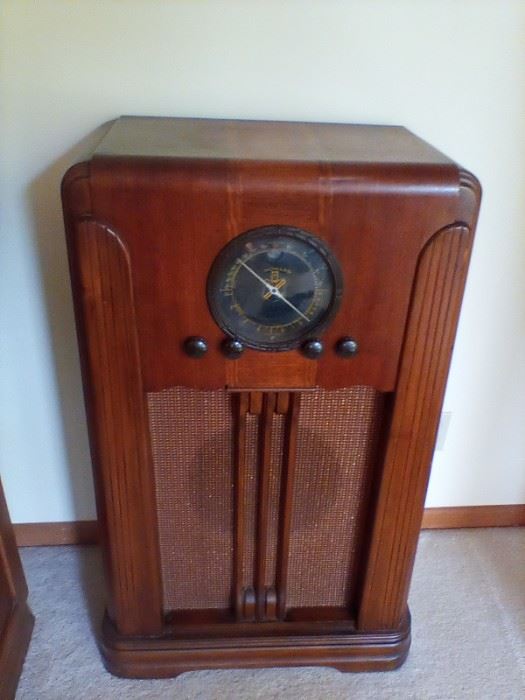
[266, 313]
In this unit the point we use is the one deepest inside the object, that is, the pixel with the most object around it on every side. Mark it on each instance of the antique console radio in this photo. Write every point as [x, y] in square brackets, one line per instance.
[266, 313]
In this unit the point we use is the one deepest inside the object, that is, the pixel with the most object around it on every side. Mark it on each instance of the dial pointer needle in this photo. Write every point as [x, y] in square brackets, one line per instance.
[273, 290]
[286, 301]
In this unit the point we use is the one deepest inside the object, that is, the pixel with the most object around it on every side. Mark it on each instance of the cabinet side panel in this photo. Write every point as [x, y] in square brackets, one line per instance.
[119, 434]
[423, 373]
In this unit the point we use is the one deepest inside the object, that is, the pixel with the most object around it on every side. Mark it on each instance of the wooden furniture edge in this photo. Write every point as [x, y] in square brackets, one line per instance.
[444, 518]
[115, 404]
[13, 647]
[427, 348]
[17, 621]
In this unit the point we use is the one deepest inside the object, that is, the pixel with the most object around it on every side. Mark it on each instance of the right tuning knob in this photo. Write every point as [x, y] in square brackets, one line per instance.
[346, 347]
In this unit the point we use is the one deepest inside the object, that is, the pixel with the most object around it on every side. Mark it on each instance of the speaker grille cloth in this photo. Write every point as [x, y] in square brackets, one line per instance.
[191, 437]
[337, 440]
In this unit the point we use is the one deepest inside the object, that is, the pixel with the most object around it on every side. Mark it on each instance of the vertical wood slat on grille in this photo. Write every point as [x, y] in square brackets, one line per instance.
[276, 454]
[250, 500]
[191, 437]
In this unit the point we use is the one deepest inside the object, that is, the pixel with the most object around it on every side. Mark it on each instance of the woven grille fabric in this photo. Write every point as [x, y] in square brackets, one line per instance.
[191, 437]
[337, 439]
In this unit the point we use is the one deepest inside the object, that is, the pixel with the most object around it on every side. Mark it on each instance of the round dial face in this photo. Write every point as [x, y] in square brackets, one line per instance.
[274, 286]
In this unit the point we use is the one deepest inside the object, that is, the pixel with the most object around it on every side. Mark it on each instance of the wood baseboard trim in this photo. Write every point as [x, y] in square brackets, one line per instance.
[474, 516]
[86, 531]
[43, 534]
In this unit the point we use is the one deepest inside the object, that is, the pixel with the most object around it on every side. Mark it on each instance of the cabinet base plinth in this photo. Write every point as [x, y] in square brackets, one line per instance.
[165, 657]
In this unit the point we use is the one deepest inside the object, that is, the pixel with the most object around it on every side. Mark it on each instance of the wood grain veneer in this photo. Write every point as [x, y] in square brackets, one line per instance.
[118, 408]
[433, 316]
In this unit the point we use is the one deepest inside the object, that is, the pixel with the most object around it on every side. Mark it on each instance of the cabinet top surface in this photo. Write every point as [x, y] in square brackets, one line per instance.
[163, 137]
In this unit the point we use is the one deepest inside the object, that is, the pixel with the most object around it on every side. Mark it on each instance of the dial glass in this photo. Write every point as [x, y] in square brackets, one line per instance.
[274, 286]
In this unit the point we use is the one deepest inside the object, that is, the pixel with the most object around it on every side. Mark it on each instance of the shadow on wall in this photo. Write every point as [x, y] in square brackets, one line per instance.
[43, 195]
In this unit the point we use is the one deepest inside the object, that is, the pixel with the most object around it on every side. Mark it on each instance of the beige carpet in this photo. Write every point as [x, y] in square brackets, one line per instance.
[468, 610]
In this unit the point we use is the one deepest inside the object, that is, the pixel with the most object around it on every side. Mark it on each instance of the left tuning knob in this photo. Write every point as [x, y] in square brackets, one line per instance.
[195, 346]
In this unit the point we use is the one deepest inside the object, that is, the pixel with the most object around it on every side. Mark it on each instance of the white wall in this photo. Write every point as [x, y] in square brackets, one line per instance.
[451, 70]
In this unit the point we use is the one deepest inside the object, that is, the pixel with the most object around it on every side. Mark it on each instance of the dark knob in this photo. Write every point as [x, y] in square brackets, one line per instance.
[232, 348]
[195, 346]
[312, 348]
[346, 347]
